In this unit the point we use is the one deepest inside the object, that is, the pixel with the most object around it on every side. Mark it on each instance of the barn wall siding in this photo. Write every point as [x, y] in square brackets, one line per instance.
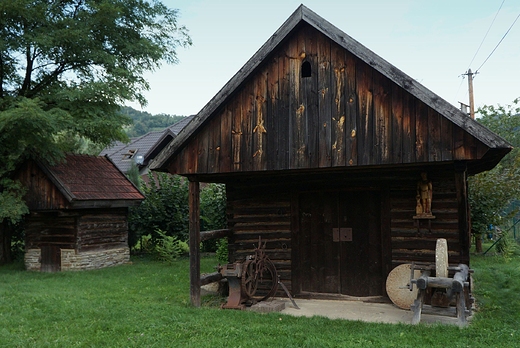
[344, 114]
[102, 230]
[45, 229]
[253, 211]
[266, 217]
[42, 193]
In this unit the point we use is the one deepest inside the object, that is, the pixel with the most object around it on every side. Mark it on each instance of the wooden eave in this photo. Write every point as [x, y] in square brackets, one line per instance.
[495, 143]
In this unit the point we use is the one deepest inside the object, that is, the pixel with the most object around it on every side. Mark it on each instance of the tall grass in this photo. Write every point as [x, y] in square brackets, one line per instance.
[146, 304]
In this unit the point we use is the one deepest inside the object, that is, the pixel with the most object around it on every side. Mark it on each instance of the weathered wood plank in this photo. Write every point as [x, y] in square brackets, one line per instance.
[464, 213]
[408, 128]
[207, 235]
[225, 150]
[351, 116]
[273, 115]
[446, 139]
[210, 278]
[365, 113]
[284, 105]
[236, 133]
[324, 102]
[397, 124]
[339, 122]
[214, 138]
[382, 120]
[259, 136]
[246, 118]
[434, 136]
[421, 133]
[310, 98]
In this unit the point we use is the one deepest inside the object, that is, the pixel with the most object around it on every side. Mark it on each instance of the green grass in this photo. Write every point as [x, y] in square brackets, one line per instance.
[146, 304]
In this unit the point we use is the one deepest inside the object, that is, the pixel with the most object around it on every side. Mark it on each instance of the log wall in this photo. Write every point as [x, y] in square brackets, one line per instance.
[268, 218]
[272, 213]
[102, 230]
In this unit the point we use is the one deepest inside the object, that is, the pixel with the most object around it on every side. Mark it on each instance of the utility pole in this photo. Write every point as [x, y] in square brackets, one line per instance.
[471, 98]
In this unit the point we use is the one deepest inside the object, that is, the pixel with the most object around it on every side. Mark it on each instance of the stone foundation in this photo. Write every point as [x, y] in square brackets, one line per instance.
[32, 259]
[71, 260]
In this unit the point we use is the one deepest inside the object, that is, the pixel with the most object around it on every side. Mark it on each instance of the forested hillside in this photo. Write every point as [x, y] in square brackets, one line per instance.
[145, 122]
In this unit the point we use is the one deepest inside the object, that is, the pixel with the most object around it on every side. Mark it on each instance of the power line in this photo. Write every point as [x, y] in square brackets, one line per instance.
[487, 32]
[503, 37]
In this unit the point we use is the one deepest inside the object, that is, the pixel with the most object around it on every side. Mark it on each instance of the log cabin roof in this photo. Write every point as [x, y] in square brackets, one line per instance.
[80, 181]
[487, 148]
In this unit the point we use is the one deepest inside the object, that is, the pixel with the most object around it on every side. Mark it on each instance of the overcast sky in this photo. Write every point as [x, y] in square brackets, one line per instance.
[433, 41]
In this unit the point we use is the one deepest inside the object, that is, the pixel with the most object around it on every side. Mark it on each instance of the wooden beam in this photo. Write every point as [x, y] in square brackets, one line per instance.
[210, 278]
[207, 235]
[463, 211]
[194, 205]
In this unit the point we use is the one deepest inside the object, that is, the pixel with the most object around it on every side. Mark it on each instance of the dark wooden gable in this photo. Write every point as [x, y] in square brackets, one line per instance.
[78, 182]
[313, 97]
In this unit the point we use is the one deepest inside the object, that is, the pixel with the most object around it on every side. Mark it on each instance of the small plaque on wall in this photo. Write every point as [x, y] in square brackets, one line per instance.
[343, 234]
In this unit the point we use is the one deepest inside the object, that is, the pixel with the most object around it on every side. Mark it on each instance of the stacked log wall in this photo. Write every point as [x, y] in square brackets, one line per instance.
[410, 243]
[50, 229]
[269, 219]
[102, 230]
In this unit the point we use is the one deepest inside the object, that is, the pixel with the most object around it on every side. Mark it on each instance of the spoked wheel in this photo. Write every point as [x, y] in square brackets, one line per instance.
[249, 279]
[267, 280]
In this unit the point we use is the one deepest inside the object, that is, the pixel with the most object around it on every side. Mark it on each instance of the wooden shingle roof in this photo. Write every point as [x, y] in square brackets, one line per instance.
[80, 181]
[497, 146]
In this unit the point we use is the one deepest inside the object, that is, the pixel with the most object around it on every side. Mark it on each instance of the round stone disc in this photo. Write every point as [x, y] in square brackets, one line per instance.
[441, 258]
[396, 286]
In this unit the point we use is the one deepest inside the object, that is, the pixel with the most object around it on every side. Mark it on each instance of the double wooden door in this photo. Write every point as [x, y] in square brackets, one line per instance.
[340, 243]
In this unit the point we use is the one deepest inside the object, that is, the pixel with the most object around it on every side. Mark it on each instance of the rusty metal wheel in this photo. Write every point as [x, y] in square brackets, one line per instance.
[249, 278]
[267, 280]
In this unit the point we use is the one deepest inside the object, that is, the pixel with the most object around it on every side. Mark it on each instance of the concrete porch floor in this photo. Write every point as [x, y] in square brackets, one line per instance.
[359, 310]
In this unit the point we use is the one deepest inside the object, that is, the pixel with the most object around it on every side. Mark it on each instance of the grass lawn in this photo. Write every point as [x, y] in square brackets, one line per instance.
[146, 304]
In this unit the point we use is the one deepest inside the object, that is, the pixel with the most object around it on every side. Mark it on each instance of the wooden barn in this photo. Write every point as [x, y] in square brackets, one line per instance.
[78, 214]
[321, 145]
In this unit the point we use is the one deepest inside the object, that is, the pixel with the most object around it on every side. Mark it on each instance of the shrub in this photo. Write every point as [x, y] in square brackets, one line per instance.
[212, 212]
[164, 209]
[222, 251]
[164, 248]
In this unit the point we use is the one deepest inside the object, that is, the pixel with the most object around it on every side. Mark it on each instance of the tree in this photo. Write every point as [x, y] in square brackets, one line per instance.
[492, 192]
[66, 68]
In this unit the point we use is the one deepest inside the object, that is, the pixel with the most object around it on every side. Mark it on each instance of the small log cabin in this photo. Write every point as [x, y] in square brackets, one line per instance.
[78, 214]
[321, 144]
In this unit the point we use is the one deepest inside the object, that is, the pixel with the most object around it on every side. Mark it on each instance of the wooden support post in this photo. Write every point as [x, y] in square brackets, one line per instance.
[461, 309]
[463, 212]
[194, 205]
[417, 307]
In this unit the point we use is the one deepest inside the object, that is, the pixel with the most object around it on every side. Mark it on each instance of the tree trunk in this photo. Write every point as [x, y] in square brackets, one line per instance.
[5, 243]
[478, 243]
